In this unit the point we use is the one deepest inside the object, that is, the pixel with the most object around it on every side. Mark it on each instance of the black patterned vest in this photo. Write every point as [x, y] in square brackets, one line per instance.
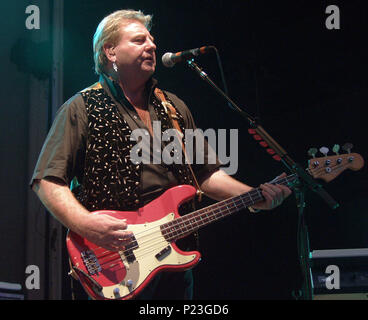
[111, 181]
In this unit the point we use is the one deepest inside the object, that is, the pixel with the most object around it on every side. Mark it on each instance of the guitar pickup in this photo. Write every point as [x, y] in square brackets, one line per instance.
[129, 249]
[163, 253]
[91, 262]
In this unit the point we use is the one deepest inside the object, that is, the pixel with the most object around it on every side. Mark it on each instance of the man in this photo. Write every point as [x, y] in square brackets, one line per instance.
[89, 143]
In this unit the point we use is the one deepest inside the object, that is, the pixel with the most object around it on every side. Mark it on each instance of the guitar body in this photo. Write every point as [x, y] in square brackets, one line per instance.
[123, 275]
[155, 227]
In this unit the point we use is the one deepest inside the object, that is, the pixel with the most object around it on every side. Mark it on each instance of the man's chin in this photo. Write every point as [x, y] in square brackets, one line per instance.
[150, 71]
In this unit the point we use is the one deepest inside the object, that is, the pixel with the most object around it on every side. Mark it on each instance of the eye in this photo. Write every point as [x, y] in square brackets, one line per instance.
[139, 40]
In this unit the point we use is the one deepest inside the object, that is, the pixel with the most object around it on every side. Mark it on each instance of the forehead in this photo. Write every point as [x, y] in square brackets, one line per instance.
[131, 28]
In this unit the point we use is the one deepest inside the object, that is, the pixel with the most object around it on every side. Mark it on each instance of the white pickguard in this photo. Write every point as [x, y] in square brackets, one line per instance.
[150, 242]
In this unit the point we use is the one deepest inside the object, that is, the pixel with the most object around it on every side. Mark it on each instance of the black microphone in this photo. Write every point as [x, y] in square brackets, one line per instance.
[169, 59]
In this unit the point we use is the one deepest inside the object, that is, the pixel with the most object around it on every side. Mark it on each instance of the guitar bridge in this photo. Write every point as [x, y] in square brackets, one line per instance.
[91, 262]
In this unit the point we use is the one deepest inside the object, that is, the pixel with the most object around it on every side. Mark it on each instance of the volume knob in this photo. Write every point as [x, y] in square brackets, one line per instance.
[129, 283]
[116, 292]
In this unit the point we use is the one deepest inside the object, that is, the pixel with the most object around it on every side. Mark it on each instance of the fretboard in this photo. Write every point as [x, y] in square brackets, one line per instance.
[191, 222]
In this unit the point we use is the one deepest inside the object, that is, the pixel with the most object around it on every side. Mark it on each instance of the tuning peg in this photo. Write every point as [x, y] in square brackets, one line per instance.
[336, 148]
[347, 147]
[312, 152]
[324, 150]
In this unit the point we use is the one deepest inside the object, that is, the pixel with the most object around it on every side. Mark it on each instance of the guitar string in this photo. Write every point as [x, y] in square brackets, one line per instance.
[181, 232]
[218, 206]
[147, 251]
[162, 239]
[186, 218]
[154, 245]
[151, 248]
[143, 249]
[176, 236]
[177, 233]
[109, 253]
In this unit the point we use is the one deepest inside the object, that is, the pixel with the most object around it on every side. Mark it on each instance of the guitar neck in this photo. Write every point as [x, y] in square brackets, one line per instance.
[193, 221]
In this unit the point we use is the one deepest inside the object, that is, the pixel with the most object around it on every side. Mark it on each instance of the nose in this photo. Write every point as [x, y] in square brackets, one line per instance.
[150, 45]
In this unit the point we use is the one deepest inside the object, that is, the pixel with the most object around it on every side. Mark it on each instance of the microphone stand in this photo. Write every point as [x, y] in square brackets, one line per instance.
[304, 181]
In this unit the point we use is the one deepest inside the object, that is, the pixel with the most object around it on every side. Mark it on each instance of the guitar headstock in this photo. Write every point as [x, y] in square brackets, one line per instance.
[328, 167]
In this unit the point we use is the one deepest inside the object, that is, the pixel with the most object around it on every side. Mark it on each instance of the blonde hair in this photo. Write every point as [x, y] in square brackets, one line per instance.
[108, 32]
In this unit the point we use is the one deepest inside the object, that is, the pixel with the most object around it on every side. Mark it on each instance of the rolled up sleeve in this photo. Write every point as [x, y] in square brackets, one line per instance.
[63, 152]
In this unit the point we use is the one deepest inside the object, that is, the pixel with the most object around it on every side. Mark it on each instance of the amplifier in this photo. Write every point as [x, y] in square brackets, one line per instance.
[339, 274]
[11, 291]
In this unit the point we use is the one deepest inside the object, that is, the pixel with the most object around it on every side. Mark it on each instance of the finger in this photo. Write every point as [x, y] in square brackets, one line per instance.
[123, 235]
[275, 195]
[119, 244]
[279, 177]
[119, 224]
[285, 190]
[269, 188]
[275, 187]
[282, 175]
[268, 198]
[279, 190]
[123, 243]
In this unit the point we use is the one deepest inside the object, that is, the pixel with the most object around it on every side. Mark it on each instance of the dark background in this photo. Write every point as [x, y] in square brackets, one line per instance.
[305, 83]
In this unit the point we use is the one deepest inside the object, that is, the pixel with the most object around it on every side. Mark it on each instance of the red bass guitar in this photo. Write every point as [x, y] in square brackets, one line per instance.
[122, 275]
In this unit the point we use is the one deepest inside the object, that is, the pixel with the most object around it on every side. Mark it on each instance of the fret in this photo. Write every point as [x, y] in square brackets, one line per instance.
[189, 225]
[191, 222]
[250, 196]
[172, 227]
[246, 200]
[259, 192]
[237, 202]
[227, 208]
[198, 220]
[234, 204]
[244, 203]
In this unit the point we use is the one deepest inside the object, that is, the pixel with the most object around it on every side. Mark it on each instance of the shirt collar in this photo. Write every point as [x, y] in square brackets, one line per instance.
[116, 90]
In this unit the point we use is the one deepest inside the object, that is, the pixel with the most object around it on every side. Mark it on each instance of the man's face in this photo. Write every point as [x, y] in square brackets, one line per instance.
[135, 52]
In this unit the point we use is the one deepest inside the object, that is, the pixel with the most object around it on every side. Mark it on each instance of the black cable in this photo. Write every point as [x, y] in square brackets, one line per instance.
[222, 74]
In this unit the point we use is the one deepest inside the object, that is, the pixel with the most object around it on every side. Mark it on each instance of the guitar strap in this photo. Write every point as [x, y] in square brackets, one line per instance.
[171, 112]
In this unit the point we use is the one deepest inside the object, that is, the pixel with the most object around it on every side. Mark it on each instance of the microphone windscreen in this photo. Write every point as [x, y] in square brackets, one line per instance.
[166, 60]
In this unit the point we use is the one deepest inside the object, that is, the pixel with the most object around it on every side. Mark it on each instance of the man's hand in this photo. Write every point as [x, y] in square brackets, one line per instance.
[105, 231]
[220, 186]
[274, 195]
[101, 229]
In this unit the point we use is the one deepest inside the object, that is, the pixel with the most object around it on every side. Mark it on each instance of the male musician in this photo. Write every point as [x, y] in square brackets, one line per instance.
[89, 144]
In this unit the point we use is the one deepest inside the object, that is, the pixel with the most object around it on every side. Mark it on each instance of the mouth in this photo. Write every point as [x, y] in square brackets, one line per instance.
[149, 59]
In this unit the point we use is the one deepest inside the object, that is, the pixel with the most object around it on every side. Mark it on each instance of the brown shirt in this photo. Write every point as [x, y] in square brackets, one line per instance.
[63, 152]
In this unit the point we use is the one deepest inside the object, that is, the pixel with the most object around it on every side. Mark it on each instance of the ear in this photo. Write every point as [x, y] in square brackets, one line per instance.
[109, 52]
